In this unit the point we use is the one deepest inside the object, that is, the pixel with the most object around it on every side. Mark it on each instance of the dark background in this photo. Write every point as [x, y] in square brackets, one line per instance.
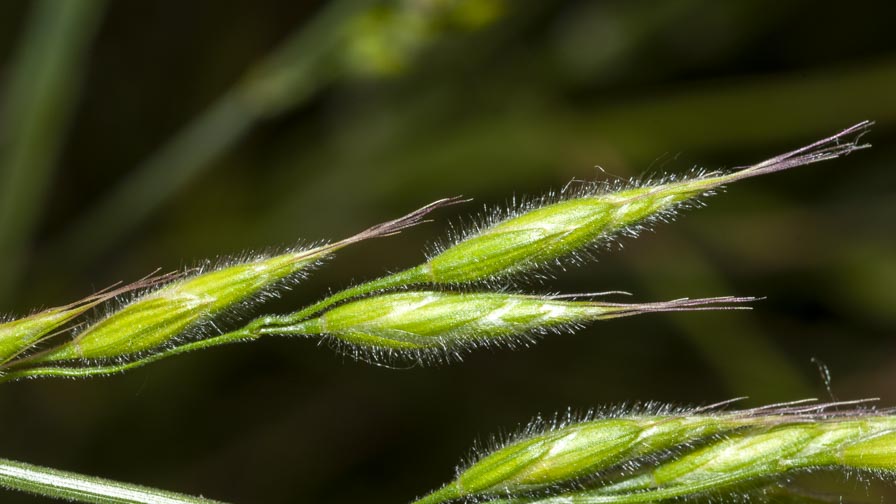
[379, 110]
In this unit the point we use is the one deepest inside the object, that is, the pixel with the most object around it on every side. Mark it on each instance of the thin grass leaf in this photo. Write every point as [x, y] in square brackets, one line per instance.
[40, 97]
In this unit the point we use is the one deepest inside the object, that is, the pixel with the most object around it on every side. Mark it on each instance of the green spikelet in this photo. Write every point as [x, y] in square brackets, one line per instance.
[769, 453]
[429, 323]
[19, 335]
[544, 234]
[631, 454]
[161, 317]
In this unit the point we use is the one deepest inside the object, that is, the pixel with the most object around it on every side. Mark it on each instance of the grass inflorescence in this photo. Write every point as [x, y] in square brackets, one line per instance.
[660, 452]
[459, 299]
[171, 312]
[466, 303]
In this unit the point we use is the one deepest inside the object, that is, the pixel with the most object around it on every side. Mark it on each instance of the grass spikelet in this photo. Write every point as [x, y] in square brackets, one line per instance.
[427, 325]
[161, 317]
[626, 458]
[546, 233]
[19, 335]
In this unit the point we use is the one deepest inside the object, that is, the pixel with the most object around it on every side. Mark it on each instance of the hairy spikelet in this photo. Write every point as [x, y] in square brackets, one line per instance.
[162, 316]
[602, 460]
[423, 326]
[545, 233]
[17, 336]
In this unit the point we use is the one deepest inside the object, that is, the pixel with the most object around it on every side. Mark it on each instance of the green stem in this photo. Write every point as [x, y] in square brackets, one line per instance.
[80, 488]
[415, 275]
[444, 494]
[100, 370]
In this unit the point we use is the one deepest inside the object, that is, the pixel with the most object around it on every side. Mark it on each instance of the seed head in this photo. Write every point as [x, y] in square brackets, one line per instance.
[637, 457]
[764, 453]
[547, 233]
[566, 453]
[21, 335]
[164, 316]
[420, 324]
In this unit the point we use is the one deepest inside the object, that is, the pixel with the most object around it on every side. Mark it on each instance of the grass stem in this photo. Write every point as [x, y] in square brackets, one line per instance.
[80, 488]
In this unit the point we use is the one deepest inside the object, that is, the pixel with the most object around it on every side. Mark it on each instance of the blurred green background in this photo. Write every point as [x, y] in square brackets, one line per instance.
[155, 134]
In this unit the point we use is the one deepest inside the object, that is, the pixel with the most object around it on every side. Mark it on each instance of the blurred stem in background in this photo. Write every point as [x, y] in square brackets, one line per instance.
[290, 75]
[40, 96]
[346, 37]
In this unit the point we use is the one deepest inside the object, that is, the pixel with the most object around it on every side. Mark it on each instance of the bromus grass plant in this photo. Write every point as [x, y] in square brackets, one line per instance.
[463, 297]
[419, 326]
